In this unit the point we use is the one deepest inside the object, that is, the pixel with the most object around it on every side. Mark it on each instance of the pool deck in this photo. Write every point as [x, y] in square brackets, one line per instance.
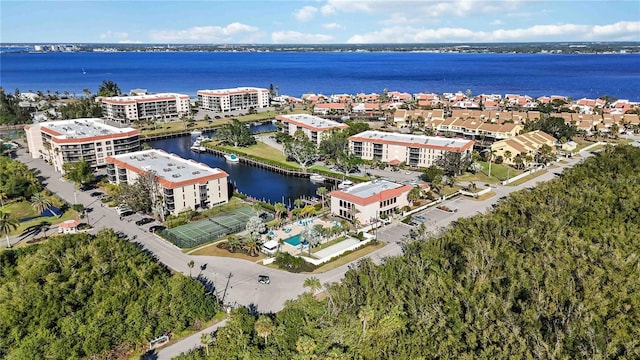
[295, 228]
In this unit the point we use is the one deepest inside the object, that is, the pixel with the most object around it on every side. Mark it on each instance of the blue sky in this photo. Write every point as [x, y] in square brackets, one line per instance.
[318, 21]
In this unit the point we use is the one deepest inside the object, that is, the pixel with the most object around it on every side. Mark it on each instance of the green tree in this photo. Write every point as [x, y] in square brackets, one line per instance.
[235, 133]
[109, 88]
[279, 209]
[206, 339]
[301, 149]
[415, 194]
[264, 327]
[253, 246]
[7, 224]
[190, 264]
[432, 173]
[79, 172]
[322, 192]
[313, 283]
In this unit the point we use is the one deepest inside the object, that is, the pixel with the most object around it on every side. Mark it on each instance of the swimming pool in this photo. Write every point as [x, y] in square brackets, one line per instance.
[293, 241]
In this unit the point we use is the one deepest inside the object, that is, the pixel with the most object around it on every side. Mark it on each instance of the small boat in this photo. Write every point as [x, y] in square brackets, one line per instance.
[198, 148]
[196, 132]
[345, 184]
[317, 178]
[232, 158]
[84, 72]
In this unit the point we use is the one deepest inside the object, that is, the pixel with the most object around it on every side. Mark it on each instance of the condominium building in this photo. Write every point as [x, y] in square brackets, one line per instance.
[63, 141]
[312, 126]
[242, 98]
[367, 202]
[522, 145]
[126, 109]
[183, 184]
[413, 150]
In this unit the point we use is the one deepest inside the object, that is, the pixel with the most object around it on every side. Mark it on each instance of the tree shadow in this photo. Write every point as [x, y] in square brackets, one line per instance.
[34, 230]
[150, 355]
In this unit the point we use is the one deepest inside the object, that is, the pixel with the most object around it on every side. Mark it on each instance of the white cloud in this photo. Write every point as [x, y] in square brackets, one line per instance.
[306, 13]
[420, 8]
[497, 22]
[234, 32]
[295, 37]
[110, 35]
[129, 42]
[621, 31]
[332, 26]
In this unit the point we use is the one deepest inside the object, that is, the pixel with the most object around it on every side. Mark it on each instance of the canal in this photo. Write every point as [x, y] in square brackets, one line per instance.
[256, 182]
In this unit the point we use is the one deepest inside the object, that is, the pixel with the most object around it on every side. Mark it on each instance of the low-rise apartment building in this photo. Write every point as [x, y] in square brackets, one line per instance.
[367, 202]
[241, 98]
[522, 145]
[312, 126]
[414, 150]
[126, 109]
[65, 141]
[183, 184]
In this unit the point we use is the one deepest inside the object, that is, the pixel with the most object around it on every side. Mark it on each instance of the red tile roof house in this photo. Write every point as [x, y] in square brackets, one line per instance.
[368, 98]
[367, 202]
[329, 108]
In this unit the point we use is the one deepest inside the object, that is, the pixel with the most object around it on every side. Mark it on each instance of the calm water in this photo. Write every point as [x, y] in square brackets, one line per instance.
[256, 182]
[616, 75]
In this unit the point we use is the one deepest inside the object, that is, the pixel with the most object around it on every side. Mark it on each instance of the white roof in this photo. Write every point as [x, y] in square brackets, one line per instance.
[270, 245]
[82, 128]
[370, 188]
[169, 166]
[313, 121]
[413, 139]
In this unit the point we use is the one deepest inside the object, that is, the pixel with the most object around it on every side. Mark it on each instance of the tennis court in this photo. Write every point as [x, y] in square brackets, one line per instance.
[211, 228]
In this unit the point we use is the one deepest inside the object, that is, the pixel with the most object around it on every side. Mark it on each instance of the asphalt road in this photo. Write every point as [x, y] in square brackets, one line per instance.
[244, 288]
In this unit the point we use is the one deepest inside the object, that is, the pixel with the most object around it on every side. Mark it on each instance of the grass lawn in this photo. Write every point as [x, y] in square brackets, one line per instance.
[261, 150]
[527, 178]
[213, 250]
[348, 258]
[23, 209]
[486, 196]
[327, 244]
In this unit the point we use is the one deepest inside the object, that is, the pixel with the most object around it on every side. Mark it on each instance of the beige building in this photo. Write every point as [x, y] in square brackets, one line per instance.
[126, 109]
[414, 150]
[312, 126]
[523, 145]
[369, 201]
[184, 184]
[63, 141]
[242, 98]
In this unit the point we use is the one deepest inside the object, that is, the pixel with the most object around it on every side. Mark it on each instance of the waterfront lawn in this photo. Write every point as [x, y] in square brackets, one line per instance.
[260, 150]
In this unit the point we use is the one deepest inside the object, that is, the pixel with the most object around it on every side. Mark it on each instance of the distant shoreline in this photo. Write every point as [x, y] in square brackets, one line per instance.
[475, 48]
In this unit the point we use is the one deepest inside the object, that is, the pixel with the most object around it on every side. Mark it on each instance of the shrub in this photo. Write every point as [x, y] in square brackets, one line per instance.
[292, 263]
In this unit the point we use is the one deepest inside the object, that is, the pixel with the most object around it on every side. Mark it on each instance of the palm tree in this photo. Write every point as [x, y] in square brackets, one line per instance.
[280, 209]
[280, 243]
[252, 246]
[7, 223]
[190, 264]
[507, 155]
[40, 202]
[264, 327]
[490, 156]
[205, 340]
[313, 283]
[322, 192]
[415, 194]
[234, 243]
[366, 315]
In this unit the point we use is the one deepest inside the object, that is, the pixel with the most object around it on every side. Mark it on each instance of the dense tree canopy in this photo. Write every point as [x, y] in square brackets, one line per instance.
[109, 88]
[81, 296]
[552, 272]
[553, 126]
[10, 110]
[17, 180]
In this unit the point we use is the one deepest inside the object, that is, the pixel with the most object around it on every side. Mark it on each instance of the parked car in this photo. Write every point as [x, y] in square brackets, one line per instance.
[264, 279]
[155, 228]
[144, 221]
[97, 194]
